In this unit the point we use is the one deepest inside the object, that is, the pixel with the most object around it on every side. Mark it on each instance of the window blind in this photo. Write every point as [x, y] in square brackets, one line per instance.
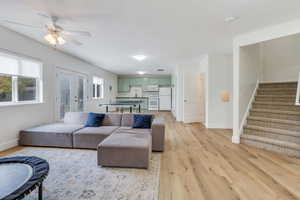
[19, 67]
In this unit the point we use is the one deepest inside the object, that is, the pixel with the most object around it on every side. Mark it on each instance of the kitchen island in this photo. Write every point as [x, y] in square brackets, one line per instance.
[143, 100]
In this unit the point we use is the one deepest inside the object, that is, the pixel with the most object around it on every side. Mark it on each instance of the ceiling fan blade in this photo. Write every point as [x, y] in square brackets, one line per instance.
[20, 24]
[76, 42]
[79, 33]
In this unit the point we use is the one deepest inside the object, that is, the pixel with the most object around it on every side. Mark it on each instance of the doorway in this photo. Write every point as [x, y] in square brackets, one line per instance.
[194, 96]
[70, 92]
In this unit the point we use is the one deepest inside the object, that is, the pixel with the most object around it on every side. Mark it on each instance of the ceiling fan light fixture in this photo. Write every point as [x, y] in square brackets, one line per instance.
[61, 40]
[51, 39]
[55, 39]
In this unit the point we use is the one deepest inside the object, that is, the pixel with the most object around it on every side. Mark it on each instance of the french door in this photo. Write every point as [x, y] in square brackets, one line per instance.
[70, 93]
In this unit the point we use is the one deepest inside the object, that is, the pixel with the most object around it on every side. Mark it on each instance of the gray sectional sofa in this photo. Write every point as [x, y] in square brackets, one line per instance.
[118, 144]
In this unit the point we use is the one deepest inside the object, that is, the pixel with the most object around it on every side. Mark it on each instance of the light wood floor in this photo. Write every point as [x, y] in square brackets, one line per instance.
[203, 164]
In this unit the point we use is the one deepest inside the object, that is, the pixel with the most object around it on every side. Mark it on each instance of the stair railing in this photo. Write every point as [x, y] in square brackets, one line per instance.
[298, 92]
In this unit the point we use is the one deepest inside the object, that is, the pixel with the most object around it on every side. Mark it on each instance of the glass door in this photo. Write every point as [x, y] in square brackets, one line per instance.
[70, 93]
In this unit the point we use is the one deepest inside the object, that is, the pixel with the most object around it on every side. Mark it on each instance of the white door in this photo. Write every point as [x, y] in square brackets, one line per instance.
[71, 93]
[194, 98]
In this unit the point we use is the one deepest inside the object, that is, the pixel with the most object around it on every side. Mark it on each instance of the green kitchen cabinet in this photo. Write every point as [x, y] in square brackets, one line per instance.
[164, 82]
[123, 85]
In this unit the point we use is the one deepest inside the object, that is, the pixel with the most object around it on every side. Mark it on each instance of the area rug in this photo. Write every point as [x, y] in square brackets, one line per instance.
[74, 174]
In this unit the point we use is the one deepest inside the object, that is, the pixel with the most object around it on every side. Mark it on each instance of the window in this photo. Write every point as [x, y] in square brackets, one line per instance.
[5, 88]
[97, 88]
[20, 80]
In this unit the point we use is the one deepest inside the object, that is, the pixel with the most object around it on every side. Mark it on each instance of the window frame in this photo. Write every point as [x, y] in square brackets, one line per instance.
[39, 81]
[297, 103]
[95, 90]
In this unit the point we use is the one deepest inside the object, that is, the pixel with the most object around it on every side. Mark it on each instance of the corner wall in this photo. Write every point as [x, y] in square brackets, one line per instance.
[15, 118]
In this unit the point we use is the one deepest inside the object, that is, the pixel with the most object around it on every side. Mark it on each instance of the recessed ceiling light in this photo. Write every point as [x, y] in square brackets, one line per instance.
[139, 57]
[231, 19]
[141, 72]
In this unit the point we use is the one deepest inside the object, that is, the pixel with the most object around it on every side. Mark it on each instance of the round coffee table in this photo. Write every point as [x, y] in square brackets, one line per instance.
[21, 175]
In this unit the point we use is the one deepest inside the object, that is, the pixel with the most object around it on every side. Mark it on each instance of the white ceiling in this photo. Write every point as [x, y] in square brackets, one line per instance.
[167, 31]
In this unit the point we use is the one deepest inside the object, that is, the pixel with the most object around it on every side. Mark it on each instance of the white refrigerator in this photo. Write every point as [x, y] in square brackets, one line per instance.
[165, 98]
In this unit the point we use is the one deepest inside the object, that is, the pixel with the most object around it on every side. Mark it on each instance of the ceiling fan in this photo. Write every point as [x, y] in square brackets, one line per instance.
[56, 35]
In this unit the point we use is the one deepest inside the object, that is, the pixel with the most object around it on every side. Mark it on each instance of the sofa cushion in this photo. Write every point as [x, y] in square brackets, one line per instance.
[57, 135]
[90, 137]
[56, 128]
[94, 119]
[125, 150]
[126, 129]
[112, 119]
[127, 119]
[142, 121]
[75, 118]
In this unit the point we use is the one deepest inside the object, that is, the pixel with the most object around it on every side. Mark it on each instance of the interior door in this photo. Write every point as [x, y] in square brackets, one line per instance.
[70, 93]
[194, 98]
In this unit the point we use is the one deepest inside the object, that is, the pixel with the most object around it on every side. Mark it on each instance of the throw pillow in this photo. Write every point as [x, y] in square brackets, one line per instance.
[142, 121]
[94, 119]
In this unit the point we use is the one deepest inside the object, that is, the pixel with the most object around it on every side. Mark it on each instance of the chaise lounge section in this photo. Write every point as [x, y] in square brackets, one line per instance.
[54, 135]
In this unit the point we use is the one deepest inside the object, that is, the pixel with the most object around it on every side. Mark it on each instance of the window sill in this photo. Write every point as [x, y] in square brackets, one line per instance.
[19, 104]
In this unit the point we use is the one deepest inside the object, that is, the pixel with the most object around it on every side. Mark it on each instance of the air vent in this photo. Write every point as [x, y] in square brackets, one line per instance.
[160, 70]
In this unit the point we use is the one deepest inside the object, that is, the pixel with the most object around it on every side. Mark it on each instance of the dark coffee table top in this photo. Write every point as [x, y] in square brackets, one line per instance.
[20, 175]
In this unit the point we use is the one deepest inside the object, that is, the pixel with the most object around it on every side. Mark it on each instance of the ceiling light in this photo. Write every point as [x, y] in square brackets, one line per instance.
[51, 39]
[60, 40]
[231, 19]
[141, 72]
[54, 39]
[139, 57]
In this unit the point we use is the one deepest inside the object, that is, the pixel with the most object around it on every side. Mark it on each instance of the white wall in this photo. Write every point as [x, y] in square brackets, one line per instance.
[204, 71]
[174, 92]
[178, 76]
[280, 59]
[15, 118]
[220, 78]
[250, 72]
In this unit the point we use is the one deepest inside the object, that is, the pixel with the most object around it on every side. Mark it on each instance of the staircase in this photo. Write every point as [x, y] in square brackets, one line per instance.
[274, 119]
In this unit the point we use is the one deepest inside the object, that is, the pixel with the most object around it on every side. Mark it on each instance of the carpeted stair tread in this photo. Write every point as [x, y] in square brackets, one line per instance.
[286, 112]
[273, 130]
[282, 121]
[278, 83]
[275, 103]
[277, 89]
[275, 96]
[283, 144]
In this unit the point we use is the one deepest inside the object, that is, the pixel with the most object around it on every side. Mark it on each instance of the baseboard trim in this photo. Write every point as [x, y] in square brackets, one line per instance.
[9, 144]
[235, 140]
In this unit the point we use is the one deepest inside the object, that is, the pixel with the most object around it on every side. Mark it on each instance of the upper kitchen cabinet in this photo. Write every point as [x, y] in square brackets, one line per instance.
[164, 82]
[124, 83]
